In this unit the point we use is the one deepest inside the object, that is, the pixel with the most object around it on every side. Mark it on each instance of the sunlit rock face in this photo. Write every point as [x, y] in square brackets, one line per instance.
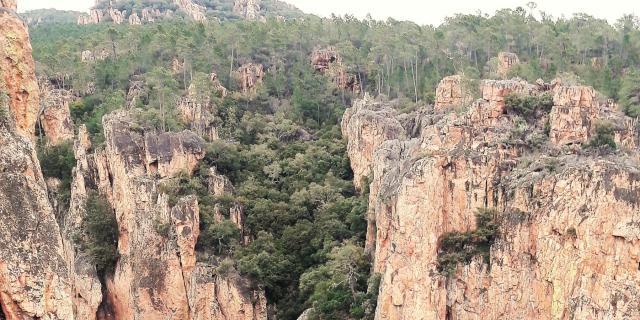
[248, 9]
[18, 69]
[568, 236]
[34, 280]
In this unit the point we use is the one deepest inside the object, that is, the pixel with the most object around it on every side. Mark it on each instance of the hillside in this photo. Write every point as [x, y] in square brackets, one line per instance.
[242, 160]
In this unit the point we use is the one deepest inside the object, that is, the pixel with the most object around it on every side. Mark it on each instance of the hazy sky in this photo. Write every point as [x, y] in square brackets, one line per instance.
[420, 11]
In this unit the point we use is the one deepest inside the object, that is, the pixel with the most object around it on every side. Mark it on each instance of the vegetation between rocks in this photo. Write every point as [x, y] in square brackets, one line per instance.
[461, 247]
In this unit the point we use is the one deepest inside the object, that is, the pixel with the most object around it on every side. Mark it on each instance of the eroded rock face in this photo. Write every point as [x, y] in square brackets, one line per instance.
[34, 280]
[198, 112]
[573, 115]
[506, 60]
[328, 61]
[249, 76]
[157, 275]
[195, 11]
[18, 69]
[134, 19]
[248, 9]
[562, 251]
[56, 118]
[449, 92]
[9, 4]
[213, 297]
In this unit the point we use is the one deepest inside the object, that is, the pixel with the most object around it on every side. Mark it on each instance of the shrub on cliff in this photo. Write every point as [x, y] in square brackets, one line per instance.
[603, 136]
[101, 233]
[57, 162]
[461, 247]
[528, 106]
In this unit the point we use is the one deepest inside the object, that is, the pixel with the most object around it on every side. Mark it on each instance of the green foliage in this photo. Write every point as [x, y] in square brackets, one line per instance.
[630, 93]
[341, 288]
[220, 236]
[299, 202]
[461, 247]
[58, 161]
[603, 137]
[528, 106]
[101, 233]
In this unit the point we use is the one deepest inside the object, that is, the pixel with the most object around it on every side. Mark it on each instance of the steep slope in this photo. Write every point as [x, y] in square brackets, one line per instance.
[34, 282]
[18, 69]
[567, 244]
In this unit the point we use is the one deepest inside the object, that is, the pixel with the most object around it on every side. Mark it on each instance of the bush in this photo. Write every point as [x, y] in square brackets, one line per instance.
[101, 233]
[528, 106]
[461, 247]
[58, 162]
[603, 136]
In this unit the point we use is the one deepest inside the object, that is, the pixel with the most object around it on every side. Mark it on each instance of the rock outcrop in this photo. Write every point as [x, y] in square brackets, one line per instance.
[34, 280]
[55, 119]
[90, 56]
[249, 76]
[449, 92]
[18, 69]
[247, 9]
[197, 112]
[149, 14]
[506, 60]
[193, 10]
[573, 115]
[157, 275]
[568, 239]
[328, 61]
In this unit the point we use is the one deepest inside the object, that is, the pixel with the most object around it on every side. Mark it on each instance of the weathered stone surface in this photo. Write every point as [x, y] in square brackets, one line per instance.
[449, 92]
[163, 154]
[193, 10]
[134, 19]
[213, 297]
[9, 4]
[18, 69]
[248, 9]
[560, 253]
[573, 115]
[198, 111]
[55, 118]
[506, 60]
[34, 282]
[322, 58]
[156, 275]
[249, 76]
[328, 61]
[366, 126]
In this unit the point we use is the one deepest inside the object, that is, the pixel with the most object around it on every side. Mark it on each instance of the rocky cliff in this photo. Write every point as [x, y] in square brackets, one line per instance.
[55, 119]
[34, 280]
[567, 242]
[247, 9]
[157, 274]
[112, 14]
[18, 69]
[46, 271]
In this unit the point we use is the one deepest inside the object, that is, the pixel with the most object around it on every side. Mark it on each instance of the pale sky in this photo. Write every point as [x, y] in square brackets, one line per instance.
[419, 11]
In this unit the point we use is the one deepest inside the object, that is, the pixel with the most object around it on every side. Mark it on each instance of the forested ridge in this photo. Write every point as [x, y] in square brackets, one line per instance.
[307, 221]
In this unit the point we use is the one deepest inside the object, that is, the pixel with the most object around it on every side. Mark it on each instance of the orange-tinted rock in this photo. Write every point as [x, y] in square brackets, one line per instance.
[328, 61]
[249, 76]
[18, 70]
[506, 60]
[560, 252]
[56, 118]
[34, 279]
[449, 92]
[247, 9]
[573, 115]
[9, 4]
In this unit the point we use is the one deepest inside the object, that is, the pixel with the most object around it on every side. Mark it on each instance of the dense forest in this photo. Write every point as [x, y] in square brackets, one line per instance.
[306, 219]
